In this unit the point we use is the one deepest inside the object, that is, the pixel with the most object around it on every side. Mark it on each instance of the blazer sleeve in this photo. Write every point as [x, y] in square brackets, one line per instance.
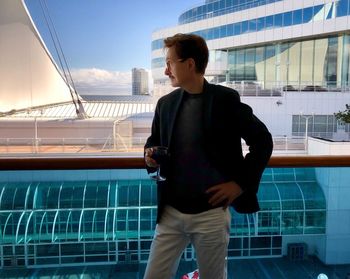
[260, 143]
[154, 138]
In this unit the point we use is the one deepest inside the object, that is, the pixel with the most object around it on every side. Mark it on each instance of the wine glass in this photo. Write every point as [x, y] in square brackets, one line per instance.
[160, 155]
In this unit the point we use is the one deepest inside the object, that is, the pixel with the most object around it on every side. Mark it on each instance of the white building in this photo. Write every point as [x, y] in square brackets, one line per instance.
[289, 60]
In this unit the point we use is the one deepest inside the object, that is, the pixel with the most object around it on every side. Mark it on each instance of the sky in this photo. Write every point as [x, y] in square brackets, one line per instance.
[104, 39]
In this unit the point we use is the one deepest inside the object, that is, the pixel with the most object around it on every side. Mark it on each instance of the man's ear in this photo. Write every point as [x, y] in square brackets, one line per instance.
[191, 64]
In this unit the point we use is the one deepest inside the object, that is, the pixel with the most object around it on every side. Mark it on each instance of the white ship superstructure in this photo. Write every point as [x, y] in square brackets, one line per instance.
[289, 60]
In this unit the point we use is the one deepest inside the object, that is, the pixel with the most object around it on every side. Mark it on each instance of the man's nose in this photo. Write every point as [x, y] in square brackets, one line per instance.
[166, 71]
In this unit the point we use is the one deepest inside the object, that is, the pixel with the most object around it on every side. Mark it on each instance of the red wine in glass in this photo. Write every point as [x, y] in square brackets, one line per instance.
[160, 155]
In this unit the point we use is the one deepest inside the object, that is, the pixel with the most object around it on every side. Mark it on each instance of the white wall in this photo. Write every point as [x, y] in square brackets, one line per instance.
[335, 183]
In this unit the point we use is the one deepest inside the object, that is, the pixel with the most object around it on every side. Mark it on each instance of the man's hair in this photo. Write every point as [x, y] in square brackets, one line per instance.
[190, 46]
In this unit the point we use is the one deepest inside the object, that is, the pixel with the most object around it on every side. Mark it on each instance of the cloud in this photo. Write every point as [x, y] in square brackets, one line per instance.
[101, 82]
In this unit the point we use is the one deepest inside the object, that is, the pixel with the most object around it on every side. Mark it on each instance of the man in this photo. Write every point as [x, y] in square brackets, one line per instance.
[202, 125]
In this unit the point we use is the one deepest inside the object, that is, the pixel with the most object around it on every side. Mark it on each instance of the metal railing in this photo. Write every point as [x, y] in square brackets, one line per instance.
[96, 162]
[119, 144]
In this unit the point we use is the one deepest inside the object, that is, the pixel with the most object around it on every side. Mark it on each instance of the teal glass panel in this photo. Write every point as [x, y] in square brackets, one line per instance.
[315, 222]
[116, 214]
[71, 194]
[45, 224]
[147, 221]
[313, 195]
[121, 224]
[239, 224]
[305, 174]
[48, 194]
[269, 223]
[148, 192]
[268, 197]
[292, 222]
[96, 194]
[267, 175]
[291, 197]
[283, 174]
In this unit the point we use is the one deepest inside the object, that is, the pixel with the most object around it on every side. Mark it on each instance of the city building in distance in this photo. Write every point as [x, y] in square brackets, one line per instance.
[139, 82]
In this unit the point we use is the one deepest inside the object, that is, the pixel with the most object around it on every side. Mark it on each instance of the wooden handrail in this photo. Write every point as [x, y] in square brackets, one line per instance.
[77, 163]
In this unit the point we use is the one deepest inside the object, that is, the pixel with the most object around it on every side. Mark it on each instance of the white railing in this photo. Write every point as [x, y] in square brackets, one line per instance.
[275, 89]
[120, 144]
[70, 145]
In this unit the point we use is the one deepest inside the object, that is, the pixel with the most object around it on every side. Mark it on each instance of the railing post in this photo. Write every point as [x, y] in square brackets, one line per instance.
[286, 143]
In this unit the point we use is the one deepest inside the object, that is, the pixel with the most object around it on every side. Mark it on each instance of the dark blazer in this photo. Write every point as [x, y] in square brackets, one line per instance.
[226, 122]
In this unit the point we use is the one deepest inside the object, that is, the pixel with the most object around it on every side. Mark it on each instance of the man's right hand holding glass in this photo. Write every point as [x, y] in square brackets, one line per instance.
[149, 161]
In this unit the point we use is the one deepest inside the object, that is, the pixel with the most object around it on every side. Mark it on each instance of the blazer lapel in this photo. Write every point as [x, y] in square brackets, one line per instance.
[172, 115]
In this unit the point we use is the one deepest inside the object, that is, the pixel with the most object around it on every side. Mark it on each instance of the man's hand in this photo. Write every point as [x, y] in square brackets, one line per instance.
[149, 161]
[225, 192]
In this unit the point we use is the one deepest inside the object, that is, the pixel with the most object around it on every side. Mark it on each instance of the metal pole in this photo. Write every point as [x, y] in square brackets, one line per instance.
[306, 132]
[306, 129]
[35, 134]
[114, 133]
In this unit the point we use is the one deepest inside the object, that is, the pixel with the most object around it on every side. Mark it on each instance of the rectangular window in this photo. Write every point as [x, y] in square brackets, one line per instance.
[278, 20]
[321, 47]
[342, 8]
[307, 63]
[250, 64]
[229, 30]
[284, 63]
[287, 19]
[240, 65]
[260, 24]
[210, 34]
[216, 6]
[237, 28]
[269, 22]
[232, 65]
[307, 14]
[210, 7]
[223, 32]
[270, 58]
[297, 17]
[216, 33]
[245, 26]
[332, 66]
[252, 25]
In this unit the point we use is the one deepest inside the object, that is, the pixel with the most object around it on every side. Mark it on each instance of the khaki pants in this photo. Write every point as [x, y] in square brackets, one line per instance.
[207, 231]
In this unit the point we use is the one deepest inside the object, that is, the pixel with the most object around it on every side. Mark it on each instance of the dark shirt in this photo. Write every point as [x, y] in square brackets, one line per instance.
[190, 172]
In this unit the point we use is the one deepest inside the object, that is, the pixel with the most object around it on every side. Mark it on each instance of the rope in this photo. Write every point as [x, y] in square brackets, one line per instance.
[69, 80]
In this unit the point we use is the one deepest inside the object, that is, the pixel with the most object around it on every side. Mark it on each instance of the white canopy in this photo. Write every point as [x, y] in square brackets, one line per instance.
[29, 76]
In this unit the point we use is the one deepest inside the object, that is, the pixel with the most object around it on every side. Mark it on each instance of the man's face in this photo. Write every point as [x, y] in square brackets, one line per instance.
[176, 69]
